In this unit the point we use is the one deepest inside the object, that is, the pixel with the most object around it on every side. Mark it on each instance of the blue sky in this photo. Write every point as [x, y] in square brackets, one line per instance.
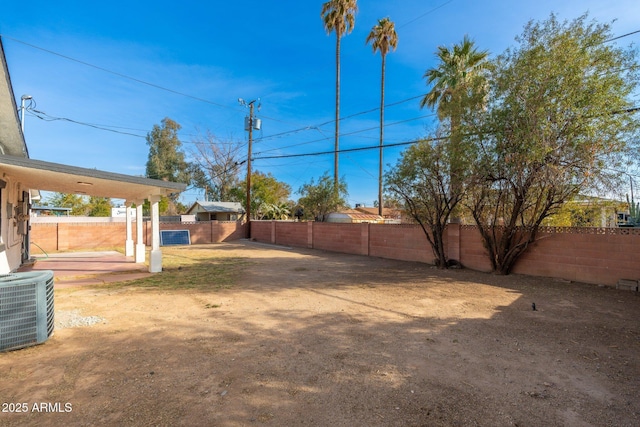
[191, 61]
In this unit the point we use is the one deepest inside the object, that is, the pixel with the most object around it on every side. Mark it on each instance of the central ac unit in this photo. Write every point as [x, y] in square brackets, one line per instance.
[26, 309]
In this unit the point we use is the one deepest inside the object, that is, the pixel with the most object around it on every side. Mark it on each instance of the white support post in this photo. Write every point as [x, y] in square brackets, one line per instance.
[140, 247]
[128, 244]
[155, 262]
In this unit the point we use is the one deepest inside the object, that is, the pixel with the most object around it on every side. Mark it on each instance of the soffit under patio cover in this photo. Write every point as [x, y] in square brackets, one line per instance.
[47, 176]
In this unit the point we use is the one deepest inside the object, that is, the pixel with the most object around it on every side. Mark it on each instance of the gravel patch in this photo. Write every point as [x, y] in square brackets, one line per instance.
[73, 319]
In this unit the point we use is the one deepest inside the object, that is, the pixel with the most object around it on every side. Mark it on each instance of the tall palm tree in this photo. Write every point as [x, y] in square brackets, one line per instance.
[383, 38]
[455, 81]
[338, 16]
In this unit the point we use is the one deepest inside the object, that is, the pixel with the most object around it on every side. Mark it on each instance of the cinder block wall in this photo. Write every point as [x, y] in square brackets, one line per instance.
[80, 236]
[74, 236]
[590, 255]
[261, 231]
[399, 241]
[203, 231]
[292, 234]
[44, 237]
[227, 231]
[345, 238]
[473, 255]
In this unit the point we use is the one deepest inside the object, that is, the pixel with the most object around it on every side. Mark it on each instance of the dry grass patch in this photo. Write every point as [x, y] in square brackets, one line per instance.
[193, 267]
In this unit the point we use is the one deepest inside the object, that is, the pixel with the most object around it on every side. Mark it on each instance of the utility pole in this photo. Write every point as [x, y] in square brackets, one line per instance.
[249, 169]
[250, 124]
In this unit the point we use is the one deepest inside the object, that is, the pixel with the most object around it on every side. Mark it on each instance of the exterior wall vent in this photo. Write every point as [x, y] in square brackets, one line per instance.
[26, 309]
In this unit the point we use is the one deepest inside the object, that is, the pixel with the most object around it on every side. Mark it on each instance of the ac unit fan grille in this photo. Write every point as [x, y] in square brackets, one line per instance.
[26, 309]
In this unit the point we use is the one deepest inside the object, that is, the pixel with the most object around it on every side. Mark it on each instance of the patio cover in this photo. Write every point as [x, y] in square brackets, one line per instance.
[47, 176]
[37, 174]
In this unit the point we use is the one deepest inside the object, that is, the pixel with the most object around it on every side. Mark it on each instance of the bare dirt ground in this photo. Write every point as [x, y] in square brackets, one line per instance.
[284, 337]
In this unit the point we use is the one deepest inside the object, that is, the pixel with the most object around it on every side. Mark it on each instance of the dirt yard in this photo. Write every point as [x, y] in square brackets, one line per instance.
[281, 337]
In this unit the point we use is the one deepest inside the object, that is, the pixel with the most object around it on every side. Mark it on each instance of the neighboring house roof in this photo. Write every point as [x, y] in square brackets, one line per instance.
[386, 212]
[364, 217]
[216, 207]
[351, 215]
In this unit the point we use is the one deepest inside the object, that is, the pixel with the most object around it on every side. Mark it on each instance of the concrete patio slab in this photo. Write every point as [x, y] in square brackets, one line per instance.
[88, 268]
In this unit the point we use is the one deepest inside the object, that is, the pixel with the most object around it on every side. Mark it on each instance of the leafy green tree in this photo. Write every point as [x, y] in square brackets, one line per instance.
[338, 16]
[165, 207]
[319, 200]
[585, 212]
[75, 202]
[166, 160]
[99, 206]
[279, 211]
[555, 127]
[458, 85]
[421, 180]
[266, 190]
[383, 38]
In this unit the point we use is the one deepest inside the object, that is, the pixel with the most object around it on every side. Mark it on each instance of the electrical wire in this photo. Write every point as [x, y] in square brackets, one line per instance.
[397, 144]
[343, 150]
[345, 134]
[619, 37]
[316, 127]
[424, 14]
[125, 76]
[106, 128]
[48, 118]
[115, 73]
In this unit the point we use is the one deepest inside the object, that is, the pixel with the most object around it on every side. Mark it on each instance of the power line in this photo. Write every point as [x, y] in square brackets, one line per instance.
[46, 117]
[619, 37]
[348, 133]
[115, 73]
[137, 80]
[345, 150]
[110, 128]
[424, 14]
[106, 127]
[312, 127]
[125, 76]
[389, 145]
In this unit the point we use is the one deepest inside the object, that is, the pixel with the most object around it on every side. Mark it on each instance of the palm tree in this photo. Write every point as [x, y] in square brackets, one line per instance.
[338, 16]
[383, 37]
[455, 81]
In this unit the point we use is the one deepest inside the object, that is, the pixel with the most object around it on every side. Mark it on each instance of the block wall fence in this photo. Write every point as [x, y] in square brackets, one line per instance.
[590, 255]
[64, 236]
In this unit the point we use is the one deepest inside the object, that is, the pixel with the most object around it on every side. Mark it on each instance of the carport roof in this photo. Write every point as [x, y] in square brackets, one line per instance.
[47, 176]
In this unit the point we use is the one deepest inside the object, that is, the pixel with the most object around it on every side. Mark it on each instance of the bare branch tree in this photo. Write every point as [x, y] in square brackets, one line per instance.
[216, 166]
